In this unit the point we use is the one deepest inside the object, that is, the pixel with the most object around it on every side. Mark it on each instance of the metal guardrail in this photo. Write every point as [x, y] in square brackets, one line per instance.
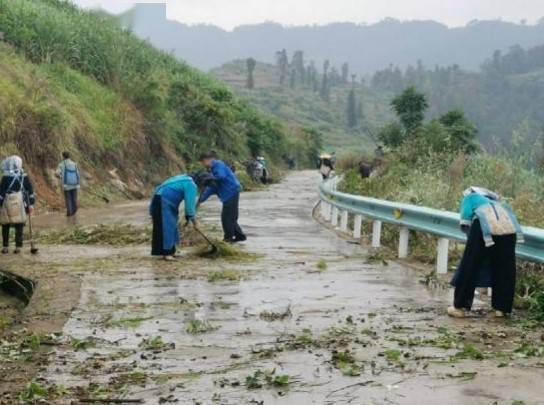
[443, 224]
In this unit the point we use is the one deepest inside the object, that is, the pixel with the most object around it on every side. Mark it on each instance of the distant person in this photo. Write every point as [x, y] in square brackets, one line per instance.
[227, 187]
[68, 172]
[379, 152]
[164, 211]
[17, 200]
[262, 168]
[326, 165]
[291, 162]
[365, 169]
[492, 231]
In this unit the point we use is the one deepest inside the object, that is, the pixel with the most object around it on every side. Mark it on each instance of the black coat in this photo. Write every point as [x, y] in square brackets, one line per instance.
[16, 183]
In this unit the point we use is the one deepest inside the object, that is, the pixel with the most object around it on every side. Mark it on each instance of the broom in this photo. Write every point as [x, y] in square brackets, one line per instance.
[33, 248]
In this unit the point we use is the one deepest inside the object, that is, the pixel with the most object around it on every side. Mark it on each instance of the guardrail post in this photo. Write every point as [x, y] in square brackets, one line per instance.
[442, 256]
[325, 210]
[376, 233]
[334, 220]
[357, 222]
[404, 236]
[344, 221]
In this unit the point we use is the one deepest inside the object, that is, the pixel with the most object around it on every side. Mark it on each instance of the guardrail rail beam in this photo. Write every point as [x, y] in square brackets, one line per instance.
[442, 224]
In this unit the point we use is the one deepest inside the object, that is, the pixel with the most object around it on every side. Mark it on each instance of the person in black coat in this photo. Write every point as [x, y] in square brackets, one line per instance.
[15, 180]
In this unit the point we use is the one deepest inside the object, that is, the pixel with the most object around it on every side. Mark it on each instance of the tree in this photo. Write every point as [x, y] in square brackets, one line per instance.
[392, 135]
[293, 78]
[352, 109]
[298, 64]
[282, 60]
[345, 73]
[251, 63]
[360, 110]
[325, 91]
[410, 107]
[462, 132]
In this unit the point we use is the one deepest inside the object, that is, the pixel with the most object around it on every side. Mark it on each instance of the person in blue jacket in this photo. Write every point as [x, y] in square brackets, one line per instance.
[227, 188]
[490, 252]
[164, 210]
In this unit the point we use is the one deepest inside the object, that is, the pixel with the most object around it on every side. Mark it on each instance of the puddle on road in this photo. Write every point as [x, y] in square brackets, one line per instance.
[140, 318]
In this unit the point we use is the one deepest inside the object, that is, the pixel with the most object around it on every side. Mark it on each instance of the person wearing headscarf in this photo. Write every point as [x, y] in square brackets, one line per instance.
[490, 252]
[17, 200]
[326, 165]
[164, 210]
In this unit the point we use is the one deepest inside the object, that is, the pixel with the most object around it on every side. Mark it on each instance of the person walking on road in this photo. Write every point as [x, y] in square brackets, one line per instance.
[326, 165]
[227, 187]
[17, 200]
[68, 172]
[164, 211]
[493, 231]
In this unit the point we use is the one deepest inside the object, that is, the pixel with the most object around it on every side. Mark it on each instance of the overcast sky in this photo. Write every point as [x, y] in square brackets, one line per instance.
[230, 13]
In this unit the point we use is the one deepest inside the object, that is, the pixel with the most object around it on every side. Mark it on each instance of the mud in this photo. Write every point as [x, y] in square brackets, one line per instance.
[309, 321]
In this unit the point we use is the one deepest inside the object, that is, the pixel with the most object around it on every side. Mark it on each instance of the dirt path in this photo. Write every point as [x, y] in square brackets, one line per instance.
[308, 322]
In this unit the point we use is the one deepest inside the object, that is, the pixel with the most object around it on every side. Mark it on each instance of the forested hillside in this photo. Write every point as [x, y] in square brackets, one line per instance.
[504, 99]
[366, 47]
[130, 114]
[298, 103]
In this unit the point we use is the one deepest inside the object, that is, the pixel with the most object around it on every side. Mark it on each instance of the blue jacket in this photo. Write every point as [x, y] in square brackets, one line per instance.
[496, 218]
[226, 185]
[177, 189]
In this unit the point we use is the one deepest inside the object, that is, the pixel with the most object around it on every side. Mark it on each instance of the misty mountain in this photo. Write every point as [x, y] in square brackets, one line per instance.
[366, 47]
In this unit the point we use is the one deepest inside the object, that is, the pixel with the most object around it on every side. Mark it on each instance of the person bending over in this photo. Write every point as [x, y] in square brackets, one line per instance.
[492, 231]
[227, 188]
[164, 211]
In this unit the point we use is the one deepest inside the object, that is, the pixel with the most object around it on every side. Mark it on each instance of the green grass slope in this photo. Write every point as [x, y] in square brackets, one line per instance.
[131, 114]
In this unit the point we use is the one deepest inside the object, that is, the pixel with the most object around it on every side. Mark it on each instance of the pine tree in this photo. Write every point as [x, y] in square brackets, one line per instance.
[345, 73]
[352, 109]
[325, 91]
[298, 64]
[251, 63]
[282, 60]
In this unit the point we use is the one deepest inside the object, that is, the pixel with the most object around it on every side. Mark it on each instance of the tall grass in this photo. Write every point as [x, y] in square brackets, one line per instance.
[180, 105]
[437, 180]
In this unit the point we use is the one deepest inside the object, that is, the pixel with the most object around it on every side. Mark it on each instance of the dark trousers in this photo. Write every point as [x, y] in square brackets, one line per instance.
[502, 256]
[70, 198]
[229, 219]
[18, 234]
[157, 248]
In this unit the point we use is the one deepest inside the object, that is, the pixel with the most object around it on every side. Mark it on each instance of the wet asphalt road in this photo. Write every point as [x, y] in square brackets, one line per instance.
[130, 300]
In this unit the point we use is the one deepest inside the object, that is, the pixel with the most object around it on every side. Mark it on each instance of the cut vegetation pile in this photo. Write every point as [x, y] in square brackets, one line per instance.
[110, 235]
[225, 251]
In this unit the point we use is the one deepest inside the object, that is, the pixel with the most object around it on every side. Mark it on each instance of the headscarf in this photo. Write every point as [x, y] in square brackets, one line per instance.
[12, 165]
[481, 191]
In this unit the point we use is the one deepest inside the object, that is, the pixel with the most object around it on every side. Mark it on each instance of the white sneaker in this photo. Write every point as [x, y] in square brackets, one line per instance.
[456, 312]
[499, 314]
[170, 258]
